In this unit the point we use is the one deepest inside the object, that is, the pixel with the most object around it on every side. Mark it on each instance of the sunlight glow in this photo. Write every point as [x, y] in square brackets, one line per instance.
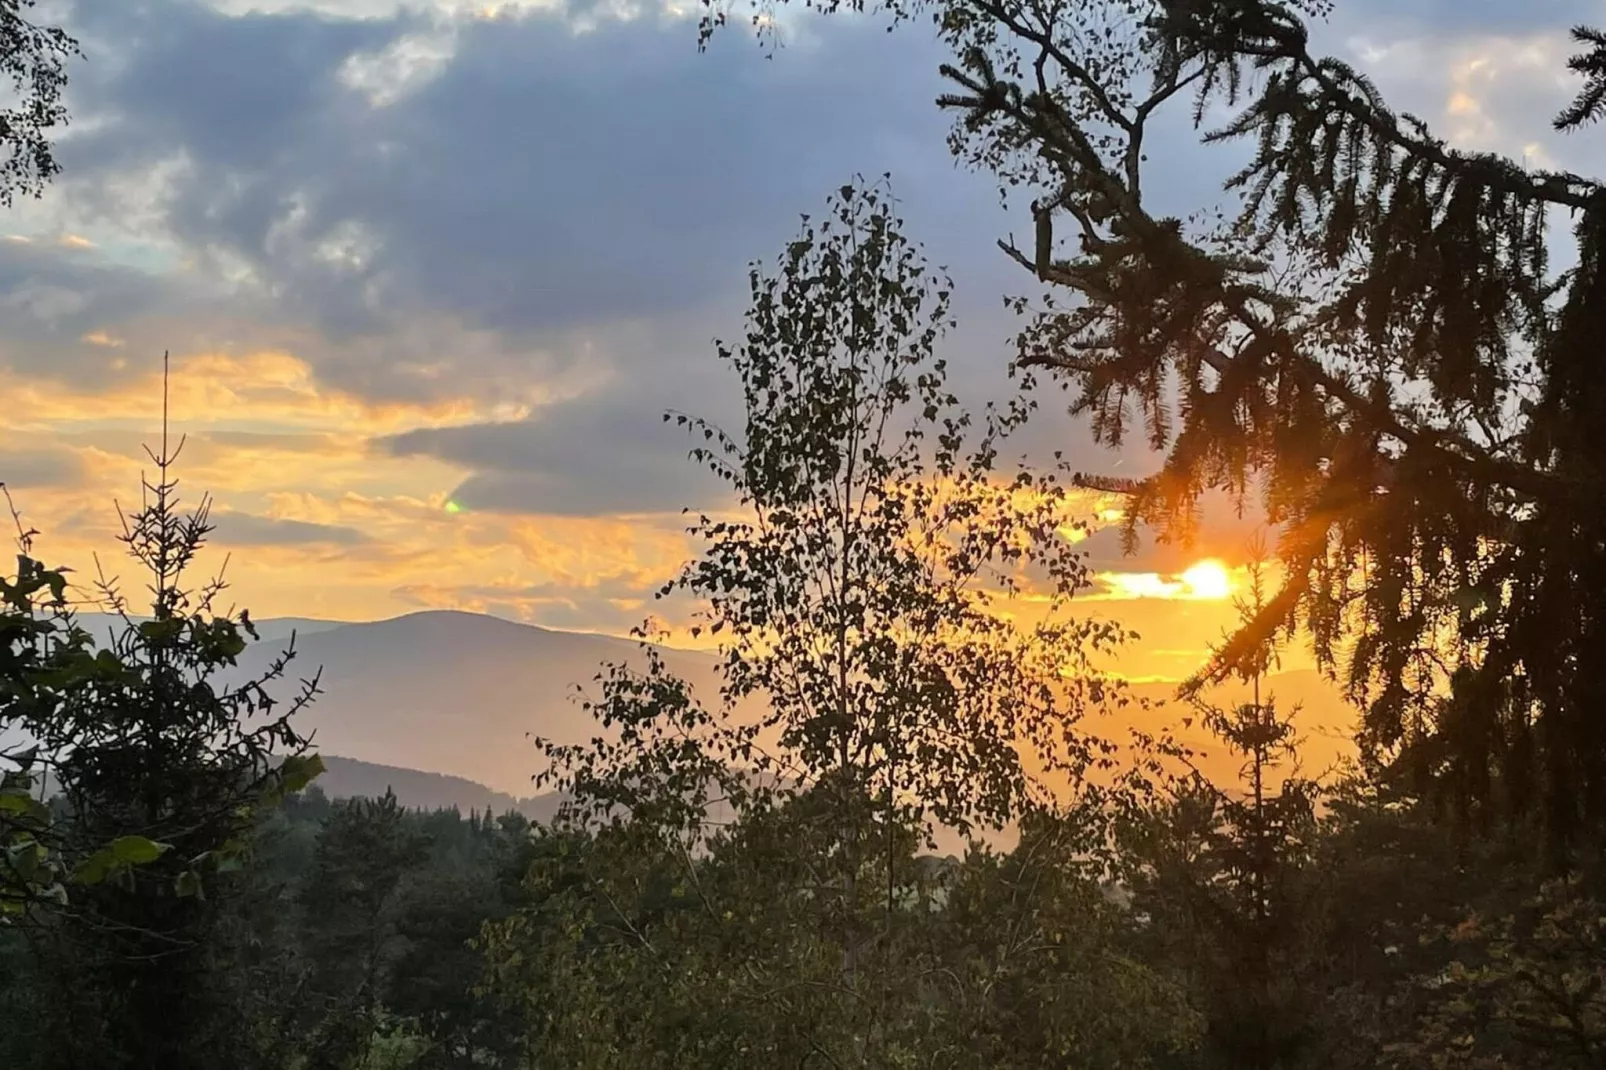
[1208, 579]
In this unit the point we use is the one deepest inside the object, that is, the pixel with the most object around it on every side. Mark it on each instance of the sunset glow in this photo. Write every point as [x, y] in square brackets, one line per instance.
[386, 417]
[1208, 579]
[650, 533]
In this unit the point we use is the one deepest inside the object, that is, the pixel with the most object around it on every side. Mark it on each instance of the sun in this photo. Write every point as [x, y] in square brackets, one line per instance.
[1208, 579]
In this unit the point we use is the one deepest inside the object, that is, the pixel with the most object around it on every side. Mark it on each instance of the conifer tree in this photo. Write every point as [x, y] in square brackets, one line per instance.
[350, 898]
[1218, 868]
[161, 771]
[1377, 340]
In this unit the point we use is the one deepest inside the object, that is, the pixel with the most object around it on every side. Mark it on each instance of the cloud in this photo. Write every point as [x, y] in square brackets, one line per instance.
[1453, 19]
[404, 252]
[510, 189]
[246, 529]
[1484, 75]
[28, 467]
[215, 391]
[319, 443]
[610, 453]
[59, 306]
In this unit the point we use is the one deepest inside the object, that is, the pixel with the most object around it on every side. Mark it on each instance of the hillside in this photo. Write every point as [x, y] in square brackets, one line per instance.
[275, 630]
[347, 778]
[455, 693]
[460, 693]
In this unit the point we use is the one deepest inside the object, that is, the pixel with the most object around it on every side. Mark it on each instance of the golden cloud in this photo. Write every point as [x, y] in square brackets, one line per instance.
[209, 390]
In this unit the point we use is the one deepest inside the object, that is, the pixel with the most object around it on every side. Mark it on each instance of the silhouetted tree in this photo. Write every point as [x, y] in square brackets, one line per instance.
[161, 774]
[350, 903]
[860, 589]
[1376, 342]
[1527, 988]
[1219, 871]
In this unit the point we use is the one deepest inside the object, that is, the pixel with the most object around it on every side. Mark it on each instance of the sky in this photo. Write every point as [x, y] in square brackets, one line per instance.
[430, 273]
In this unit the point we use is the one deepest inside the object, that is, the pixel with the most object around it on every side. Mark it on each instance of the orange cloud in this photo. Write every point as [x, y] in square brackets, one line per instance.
[319, 523]
[207, 390]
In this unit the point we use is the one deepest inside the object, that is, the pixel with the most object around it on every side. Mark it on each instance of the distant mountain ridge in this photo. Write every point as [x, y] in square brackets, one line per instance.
[273, 630]
[348, 778]
[451, 692]
[459, 695]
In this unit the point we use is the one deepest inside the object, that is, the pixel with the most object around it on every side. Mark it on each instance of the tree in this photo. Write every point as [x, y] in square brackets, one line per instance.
[43, 653]
[632, 957]
[33, 57]
[160, 773]
[350, 905]
[1034, 961]
[436, 980]
[1376, 343]
[37, 643]
[1377, 339]
[861, 589]
[1523, 989]
[1219, 869]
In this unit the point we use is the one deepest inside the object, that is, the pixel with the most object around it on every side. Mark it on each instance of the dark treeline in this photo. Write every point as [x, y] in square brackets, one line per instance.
[365, 935]
[345, 942]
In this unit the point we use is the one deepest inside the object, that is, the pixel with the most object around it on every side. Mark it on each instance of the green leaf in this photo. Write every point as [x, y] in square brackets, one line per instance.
[137, 850]
[24, 859]
[17, 802]
[299, 770]
[123, 852]
[96, 868]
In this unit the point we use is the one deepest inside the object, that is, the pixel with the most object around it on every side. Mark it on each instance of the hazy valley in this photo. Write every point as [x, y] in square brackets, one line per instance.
[459, 694]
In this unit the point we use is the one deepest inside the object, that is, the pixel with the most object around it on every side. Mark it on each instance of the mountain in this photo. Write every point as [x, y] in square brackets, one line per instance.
[455, 693]
[348, 778]
[460, 693]
[103, 626]
[439, 705]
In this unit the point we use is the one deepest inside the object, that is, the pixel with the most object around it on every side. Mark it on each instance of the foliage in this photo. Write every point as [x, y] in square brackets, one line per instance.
[386, 906]
[1219, 871]
[33, 58]
[1522, 989]
[861, 588]
[365, 849]
[1375, 345]
[1375, 342]
[42, 651]
[1036, 963]
[632, 955]
[37, 643]
[158, 771]
[874, 688]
